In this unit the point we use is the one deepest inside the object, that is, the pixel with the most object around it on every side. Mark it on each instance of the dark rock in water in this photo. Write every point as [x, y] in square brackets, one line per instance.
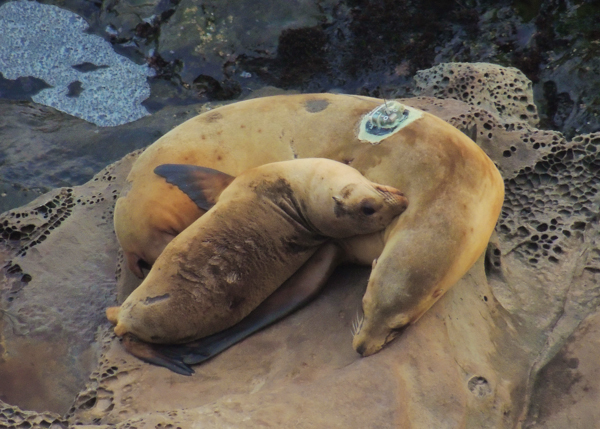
[215, 50]
[22, 88]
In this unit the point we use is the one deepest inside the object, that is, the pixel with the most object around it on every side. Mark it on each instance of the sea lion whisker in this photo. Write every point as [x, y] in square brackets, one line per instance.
[387, 195]
[357, 323]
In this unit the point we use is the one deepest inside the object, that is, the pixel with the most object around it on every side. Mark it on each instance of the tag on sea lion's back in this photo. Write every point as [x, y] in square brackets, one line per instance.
[386, 120]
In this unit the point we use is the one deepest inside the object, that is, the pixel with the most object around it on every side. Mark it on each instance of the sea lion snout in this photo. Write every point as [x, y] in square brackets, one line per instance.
[382, 320]
[392, 196]
[374, 336]
[367, 342]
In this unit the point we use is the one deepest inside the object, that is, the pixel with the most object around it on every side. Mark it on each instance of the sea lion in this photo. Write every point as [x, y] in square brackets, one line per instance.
[455, 190]
[265, 225]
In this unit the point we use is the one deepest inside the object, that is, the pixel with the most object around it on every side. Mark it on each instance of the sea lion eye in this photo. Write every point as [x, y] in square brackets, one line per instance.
[368, 210]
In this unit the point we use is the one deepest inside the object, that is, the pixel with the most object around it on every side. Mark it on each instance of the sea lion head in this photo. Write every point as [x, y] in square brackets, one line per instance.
[386, 310]
[376, 327]
[344, 203]
[367, 207]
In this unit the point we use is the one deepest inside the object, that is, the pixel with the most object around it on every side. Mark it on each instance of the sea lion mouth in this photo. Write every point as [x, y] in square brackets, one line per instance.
[370, 345]
[394, 333]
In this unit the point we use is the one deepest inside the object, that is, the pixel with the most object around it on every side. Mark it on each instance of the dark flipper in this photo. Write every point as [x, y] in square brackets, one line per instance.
[149, 353]
[202, 184]
[297, 291]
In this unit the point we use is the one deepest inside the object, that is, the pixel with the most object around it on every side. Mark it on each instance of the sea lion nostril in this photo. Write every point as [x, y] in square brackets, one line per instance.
[361, 349]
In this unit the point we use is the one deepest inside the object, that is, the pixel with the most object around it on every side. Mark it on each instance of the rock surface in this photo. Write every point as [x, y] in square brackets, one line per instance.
[567, 388]
[47, 294]
[512, 344]
[42, 148]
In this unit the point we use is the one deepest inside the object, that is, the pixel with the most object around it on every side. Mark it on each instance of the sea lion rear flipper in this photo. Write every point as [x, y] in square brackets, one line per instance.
[297, 291]
[202, 184]
[150, 353]
[133, 263]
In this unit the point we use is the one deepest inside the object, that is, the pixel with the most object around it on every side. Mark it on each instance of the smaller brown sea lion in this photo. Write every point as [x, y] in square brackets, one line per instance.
[265, 225]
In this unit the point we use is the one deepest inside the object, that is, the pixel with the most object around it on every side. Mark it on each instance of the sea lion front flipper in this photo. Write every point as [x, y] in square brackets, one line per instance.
[202, 184]
[112, 314]
[149, 353]
[297, 291]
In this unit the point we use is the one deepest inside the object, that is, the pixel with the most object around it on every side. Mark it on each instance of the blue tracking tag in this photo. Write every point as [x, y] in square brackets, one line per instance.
[385, 120]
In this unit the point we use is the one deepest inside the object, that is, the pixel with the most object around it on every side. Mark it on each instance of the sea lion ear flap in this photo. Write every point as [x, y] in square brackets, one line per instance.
[202, 184]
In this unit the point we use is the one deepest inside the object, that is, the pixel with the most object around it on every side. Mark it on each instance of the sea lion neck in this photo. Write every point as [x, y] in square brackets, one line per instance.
[282, 194]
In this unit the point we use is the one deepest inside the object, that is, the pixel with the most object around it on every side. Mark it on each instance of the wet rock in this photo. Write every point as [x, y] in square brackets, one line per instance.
[569, 37]
[213, 50]
[22, 88]
[42, 148]
[209, 34]
[555, 44]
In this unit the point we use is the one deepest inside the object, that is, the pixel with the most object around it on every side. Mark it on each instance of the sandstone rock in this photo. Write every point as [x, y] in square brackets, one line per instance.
[566, 389]
[59, 259]
[504, 91]
[13, 416]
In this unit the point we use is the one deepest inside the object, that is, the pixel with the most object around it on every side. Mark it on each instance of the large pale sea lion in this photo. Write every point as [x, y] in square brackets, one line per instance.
[454, 189]
[266, 224]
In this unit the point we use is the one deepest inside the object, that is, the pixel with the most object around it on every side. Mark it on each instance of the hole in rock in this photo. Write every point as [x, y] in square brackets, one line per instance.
[479, 386]
[88, 404]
